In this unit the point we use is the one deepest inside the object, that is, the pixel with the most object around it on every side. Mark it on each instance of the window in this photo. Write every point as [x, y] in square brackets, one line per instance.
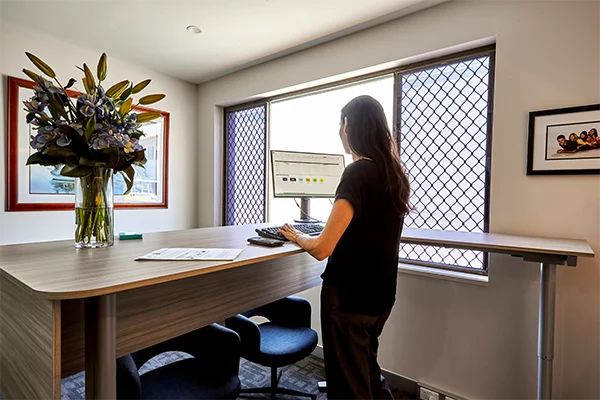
[311, 123]
[441, 112]
[443, 132]
[245, 165]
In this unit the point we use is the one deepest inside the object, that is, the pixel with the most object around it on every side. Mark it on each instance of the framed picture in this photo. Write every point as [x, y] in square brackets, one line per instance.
[564, 141]
[42, 188]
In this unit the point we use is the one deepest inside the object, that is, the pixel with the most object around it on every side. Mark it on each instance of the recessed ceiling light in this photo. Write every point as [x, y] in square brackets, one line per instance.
[194, 29]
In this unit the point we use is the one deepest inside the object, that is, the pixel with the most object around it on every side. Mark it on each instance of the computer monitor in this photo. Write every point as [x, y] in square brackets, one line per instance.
[305, 176]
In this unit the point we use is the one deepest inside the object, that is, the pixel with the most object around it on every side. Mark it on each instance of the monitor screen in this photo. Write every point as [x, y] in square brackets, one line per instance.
[306, 174]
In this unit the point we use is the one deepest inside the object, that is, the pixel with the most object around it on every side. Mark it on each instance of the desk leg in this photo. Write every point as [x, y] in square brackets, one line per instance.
[546, 330]
[100, 347]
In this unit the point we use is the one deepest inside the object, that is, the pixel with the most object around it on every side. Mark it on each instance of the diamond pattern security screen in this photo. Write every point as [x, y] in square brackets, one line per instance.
[443, 119]
[245, 165]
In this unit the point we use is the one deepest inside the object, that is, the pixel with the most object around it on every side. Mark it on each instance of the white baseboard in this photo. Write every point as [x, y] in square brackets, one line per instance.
[402, 383]
[318, 352]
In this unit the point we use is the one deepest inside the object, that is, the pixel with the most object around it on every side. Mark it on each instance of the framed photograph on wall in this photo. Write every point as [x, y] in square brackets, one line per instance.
[42, 188]
[564, 141]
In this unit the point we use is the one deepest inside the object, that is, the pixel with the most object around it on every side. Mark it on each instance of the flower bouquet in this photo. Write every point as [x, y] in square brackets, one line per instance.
[90, 135]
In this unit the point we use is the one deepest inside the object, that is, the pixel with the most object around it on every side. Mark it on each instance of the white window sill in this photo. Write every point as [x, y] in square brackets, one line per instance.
[439, 273]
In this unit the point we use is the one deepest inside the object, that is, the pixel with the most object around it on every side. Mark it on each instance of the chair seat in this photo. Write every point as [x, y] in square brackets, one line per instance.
[280, 346]
[186, 380]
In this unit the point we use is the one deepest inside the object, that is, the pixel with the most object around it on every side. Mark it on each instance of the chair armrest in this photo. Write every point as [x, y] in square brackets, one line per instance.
[128, 379]
[292, 311]
[248, 331]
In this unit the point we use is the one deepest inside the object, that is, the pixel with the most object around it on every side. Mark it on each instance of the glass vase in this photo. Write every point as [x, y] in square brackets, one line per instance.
[94, 209]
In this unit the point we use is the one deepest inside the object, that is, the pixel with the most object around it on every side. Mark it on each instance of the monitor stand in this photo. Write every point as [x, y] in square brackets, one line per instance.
[305, 212]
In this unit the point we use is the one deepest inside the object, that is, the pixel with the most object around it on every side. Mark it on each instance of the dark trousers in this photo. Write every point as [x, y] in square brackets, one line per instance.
[350, 343]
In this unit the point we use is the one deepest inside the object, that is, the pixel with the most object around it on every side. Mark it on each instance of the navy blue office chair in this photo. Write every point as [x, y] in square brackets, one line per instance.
[286, 339]
[212, 373]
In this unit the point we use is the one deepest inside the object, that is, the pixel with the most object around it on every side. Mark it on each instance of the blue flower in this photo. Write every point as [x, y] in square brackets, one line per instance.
[86, 103]
[89, 105]
[137, 146]
[103, 141]
[40, 141]
[42, 97]
[34, 105]
[44, 130]
[87, 111]
[63, 140]
[102, 112]
[100, 92]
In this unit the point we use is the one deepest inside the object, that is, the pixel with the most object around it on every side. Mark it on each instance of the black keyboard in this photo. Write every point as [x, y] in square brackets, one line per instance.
[273, 231]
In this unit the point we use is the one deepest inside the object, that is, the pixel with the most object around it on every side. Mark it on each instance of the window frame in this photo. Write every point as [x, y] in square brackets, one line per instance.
[488, 50]
[226, 112]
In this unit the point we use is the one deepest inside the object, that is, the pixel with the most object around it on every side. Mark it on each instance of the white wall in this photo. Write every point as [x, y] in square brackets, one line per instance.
[18, 227]
[477, 342]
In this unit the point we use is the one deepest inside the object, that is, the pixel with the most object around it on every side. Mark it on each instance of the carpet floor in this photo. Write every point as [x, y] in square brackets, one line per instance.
[302, 376]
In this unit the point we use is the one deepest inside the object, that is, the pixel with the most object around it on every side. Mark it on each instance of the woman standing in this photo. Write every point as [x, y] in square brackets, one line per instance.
[361, 239]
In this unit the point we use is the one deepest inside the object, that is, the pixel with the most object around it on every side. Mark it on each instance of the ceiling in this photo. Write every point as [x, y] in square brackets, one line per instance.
[236, 33]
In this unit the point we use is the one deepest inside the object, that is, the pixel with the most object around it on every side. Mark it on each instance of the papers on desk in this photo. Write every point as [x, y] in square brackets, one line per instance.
[191, 254]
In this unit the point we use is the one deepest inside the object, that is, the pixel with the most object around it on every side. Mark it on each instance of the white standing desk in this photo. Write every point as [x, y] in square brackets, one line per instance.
[547, 252]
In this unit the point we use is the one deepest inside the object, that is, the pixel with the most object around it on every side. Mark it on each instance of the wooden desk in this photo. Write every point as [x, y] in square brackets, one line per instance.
[58, 304]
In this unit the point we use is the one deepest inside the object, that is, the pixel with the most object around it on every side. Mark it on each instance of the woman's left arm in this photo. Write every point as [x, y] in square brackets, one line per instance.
[322, 246]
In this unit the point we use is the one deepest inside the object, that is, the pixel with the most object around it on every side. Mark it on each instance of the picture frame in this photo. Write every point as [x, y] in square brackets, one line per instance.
[564, 141]
[42, 188]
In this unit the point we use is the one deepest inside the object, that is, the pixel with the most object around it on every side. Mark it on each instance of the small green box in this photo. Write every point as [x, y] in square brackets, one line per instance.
[129, 235]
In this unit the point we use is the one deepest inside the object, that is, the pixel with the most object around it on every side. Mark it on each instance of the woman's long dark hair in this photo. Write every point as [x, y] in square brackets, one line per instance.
[369, 136]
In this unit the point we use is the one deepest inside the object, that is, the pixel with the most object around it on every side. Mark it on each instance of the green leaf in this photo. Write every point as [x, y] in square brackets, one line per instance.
[115, 90]
[109, 155]
[126, 93]
[91, 163]
[147, 116]
[89, 77]
[58, 152]
[85, 86]
[32, 75]
[128, 175]
[57, 106]
[126, 107]
[66, 155]
[90, 127]
[101, 70]
[78, 142]
[42, 66]
[76, 171]
[136, 134]
[79, 68]
[53, 111]
[71, 83]
[42, 159]
[152, 98]
[140, 86]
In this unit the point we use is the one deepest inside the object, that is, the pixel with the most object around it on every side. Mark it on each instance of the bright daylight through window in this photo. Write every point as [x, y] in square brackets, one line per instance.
[443, 122]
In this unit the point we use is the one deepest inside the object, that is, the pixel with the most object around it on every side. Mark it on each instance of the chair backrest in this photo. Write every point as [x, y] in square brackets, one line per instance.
[214, 347]
[128, 379]
[291, 311]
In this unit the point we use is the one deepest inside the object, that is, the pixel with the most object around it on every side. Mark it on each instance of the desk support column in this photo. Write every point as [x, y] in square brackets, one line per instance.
[546, 330]
[100, 347]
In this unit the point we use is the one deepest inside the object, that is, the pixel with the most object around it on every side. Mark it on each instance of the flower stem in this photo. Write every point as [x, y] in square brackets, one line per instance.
[94, 209]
